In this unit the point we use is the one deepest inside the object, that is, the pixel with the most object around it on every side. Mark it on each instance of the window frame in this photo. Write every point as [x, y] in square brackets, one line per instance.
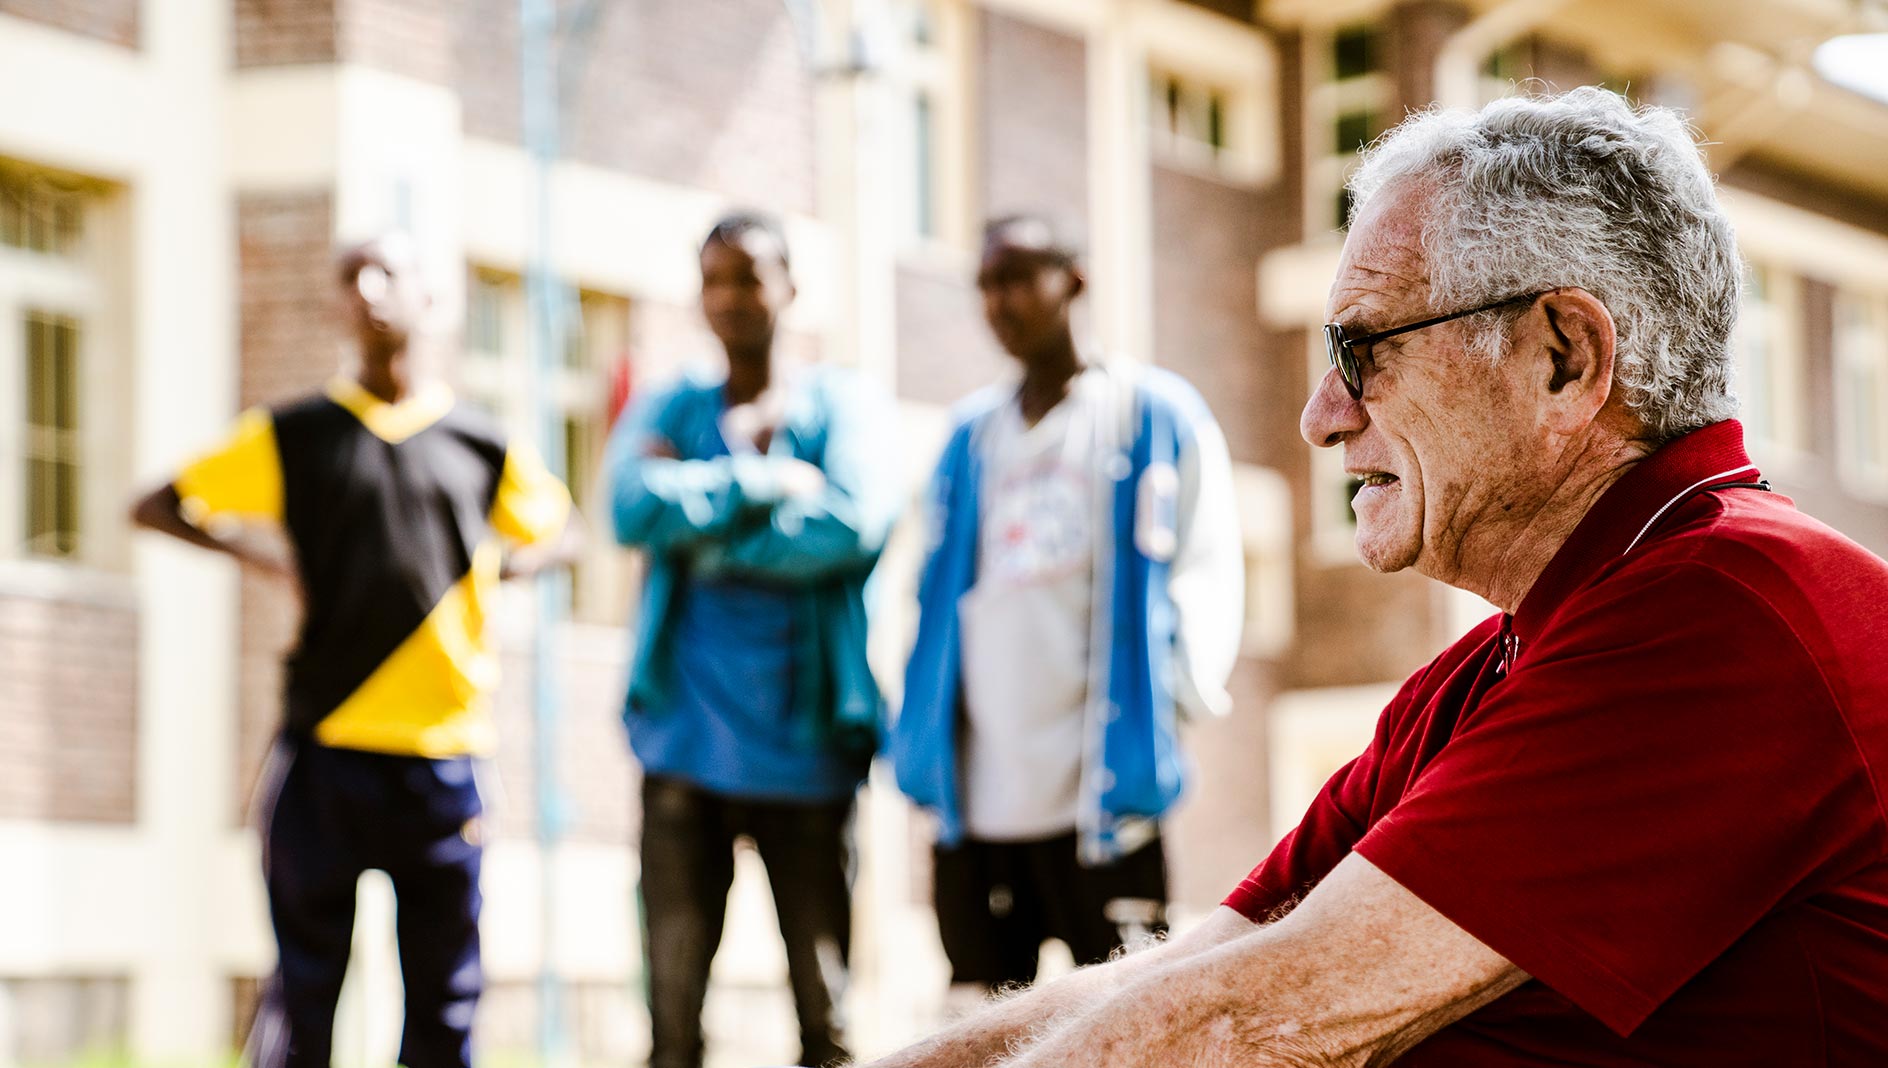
[931, 74]
[73, 284]
[1859, 477]
[1327, 99]
[500, 382]
[1783, 434]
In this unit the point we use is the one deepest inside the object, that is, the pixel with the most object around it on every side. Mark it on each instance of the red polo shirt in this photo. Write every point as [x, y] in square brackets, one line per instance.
[1663, 798]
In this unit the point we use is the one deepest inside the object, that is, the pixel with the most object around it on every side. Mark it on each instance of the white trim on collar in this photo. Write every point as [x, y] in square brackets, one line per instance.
[1686, 492]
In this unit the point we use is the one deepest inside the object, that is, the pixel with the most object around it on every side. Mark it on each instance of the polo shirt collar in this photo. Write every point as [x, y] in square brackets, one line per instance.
[1626, 514]
[392, 423]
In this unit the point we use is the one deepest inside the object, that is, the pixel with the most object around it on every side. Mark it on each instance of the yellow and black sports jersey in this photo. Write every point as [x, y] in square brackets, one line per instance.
[394, 511]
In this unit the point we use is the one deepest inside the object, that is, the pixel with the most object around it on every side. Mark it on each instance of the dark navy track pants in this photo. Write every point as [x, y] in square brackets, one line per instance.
[336, 814]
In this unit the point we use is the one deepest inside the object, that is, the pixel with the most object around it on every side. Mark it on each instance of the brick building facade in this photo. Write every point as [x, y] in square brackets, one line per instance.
[173, 210]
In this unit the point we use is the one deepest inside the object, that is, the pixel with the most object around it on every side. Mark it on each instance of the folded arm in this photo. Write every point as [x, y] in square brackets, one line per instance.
[661, 503]
[840, 524]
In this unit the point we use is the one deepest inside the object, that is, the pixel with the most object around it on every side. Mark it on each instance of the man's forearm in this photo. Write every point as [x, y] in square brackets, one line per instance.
[161, 510]
[1000, 1028]
[1165, 1019]
[563, 551]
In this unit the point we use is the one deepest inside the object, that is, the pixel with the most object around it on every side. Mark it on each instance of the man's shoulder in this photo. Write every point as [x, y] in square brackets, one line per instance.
[476, 426]
[691, 387]
[1759, 542]
[979, 405]
[310, 413]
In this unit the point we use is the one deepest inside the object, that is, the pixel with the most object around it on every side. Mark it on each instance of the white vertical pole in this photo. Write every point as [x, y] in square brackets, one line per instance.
[183, 378]
[538, 84]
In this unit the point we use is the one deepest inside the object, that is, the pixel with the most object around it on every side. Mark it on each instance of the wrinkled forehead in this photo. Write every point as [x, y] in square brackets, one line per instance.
[1383, 266]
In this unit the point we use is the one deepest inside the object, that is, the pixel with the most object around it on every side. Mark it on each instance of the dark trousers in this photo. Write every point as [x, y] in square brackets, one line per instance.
[997, 902]
[688, 837]
[338, 813]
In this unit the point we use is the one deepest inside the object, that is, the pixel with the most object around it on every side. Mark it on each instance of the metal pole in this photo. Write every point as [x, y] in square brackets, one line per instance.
[537, 67]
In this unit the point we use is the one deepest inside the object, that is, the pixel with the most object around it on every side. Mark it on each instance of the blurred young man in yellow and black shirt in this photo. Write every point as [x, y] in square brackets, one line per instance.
[403, 510]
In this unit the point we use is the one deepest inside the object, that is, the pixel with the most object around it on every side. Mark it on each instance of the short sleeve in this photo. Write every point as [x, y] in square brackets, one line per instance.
[1307, 854]
[240, 479]
[1656, 776]
[531, 504]
[1336, 818]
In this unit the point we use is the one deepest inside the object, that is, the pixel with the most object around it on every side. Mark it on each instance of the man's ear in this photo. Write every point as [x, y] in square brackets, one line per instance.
[1576, 335]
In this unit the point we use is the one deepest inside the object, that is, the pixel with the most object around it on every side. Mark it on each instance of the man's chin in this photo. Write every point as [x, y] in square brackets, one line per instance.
[1384, 554]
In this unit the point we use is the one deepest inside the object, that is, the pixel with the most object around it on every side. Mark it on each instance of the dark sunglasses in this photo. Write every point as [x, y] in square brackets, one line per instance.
[1343, 350]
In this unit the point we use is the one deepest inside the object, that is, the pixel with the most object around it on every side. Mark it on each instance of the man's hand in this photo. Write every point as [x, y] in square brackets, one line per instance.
[1361, 971]
[758, 420]
[984, 1038]
[800, 480]
[561, 551]
[162, 510]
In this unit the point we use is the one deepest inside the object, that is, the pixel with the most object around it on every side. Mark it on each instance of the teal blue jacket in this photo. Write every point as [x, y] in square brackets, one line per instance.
[728, 517]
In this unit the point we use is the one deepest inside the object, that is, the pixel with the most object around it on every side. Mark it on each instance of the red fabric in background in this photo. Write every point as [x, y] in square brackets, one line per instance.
[1668, 810]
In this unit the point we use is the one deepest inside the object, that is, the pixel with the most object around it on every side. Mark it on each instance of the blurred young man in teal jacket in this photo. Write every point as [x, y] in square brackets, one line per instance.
[762, 498]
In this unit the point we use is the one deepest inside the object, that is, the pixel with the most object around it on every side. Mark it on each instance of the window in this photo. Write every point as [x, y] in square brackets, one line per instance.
[1348, 106]
[50, 442]
[1770, 361]
[1191, 118]
[1861, 382]
[929, 121]
[60, 489]
[1208, 93]
[486, 313]
[1505, 68]
[496, 373]
[40, 214]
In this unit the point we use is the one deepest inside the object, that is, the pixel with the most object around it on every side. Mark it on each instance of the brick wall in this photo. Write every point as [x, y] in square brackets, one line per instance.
[596, 777]
[1793, 186]
[1816, 485]
[417, 38]
[1032, 92]
[411, 37]
[289, 343]
[944, 347]
[115, 21]
[1563, 66]
[1222, 826]
[712, 94]
[68, 709]
[274, 33]
[1417, 33]
[1208, 238]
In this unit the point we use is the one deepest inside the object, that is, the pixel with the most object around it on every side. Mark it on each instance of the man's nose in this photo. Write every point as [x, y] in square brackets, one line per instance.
[1331, 413]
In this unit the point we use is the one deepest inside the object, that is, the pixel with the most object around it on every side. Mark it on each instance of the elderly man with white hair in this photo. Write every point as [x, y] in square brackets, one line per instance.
[1636, 818]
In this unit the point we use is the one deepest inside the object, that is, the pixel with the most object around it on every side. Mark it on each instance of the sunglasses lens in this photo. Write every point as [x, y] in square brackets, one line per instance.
[1343, 359]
